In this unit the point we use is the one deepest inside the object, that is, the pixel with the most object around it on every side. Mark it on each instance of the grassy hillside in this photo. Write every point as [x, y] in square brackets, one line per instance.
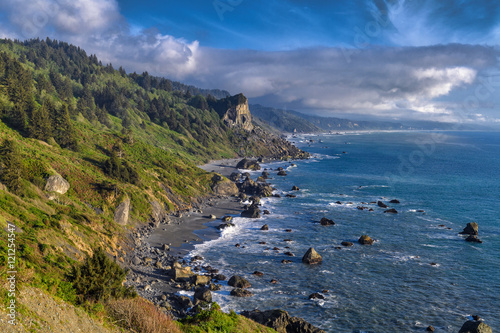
[113, 137]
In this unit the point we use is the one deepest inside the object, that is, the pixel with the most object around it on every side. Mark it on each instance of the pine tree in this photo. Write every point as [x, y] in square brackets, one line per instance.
[39, 127]
[63, 131]
[12, 167]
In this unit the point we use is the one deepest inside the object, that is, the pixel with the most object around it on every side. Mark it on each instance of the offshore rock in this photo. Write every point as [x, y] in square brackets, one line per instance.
[238, 292]
[238, 282]
[58, 184]
[325, 221]
[365, 240]
[471, 229]
[252, 211]
[311, 257]
[475, 327]
[473, 239]
[281, 321]
[381, 204]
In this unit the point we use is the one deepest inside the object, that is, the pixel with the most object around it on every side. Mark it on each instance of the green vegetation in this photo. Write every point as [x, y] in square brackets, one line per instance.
[98, 278]
[214, 320]
[110, 135]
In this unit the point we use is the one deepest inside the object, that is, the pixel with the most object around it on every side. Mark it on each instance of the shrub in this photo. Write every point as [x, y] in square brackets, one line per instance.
[99, 278]
[140, 316]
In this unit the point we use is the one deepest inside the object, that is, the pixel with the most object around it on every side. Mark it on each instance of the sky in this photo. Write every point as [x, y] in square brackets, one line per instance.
[393, 59]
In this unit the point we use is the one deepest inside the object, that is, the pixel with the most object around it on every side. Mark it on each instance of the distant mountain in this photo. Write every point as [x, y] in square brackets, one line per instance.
[289, 121]
[293, 121]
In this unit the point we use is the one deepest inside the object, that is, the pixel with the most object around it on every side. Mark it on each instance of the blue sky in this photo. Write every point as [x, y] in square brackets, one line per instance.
[395, 59]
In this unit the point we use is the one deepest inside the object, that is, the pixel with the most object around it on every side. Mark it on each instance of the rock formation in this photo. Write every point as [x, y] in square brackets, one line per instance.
[470, 229]
[281, 321]
[475, 327]
[238, 115]
[311, 257]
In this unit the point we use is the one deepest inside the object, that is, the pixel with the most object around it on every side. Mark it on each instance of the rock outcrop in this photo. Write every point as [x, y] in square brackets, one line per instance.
[326, 221]
[248, 164]
[222, 186]
[58, 184]
[122, 212]
[239, 115]
[281, 321]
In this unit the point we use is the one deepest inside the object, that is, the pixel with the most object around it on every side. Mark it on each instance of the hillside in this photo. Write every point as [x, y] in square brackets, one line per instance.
[296, 122]
[89, 153]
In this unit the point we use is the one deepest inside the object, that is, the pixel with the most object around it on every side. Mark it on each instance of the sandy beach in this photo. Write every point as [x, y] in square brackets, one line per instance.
[196, 226]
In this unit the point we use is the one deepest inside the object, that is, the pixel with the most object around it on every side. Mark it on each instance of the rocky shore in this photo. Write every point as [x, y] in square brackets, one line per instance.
[158, 271]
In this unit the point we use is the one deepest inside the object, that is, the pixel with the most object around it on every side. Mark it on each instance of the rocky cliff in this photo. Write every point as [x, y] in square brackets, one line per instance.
[239, 116]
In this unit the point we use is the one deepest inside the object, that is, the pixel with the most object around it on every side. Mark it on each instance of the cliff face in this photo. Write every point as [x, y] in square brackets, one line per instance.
[239, 116]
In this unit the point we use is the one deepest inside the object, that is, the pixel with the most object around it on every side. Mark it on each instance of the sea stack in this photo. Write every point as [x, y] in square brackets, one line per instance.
[470, 229]
[312, 257]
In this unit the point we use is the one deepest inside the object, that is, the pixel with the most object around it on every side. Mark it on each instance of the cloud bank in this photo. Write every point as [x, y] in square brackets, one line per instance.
[397, 82]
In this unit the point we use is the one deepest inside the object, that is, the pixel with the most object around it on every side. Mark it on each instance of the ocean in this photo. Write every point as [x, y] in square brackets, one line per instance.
[419, 271]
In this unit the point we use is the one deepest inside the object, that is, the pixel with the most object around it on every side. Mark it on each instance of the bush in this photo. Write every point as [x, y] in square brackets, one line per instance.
[139, 315]
[98, 278]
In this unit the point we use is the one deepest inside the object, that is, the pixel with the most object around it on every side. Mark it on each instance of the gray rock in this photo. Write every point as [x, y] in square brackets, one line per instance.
[365, 240]
[381, 204]
[202, 294]
[58, 184]
[325, 221]
[136, 260]
[122, 212]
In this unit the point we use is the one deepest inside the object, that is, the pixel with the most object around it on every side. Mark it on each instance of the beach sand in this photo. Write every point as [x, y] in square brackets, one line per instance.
[193, 227]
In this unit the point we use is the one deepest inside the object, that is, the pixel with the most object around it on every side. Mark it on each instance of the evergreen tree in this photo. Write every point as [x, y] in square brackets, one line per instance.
[12, 167]
[99, 278]
[39, 127]
[63, 131]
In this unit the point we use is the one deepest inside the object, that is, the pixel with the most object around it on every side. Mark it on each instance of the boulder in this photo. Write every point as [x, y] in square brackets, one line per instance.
[261, 179]
[295, 188]
[394, 201]
[258, 273]
[200, 280]
[225, 225]
[220, 277]
[265, 174]
[347, 243]
[227, 218]
[381, 204]
[238, 282]
[290, 196]
[264, 227]
[235, 176]
[391, 211]
[180, 273]
[202, 294]
[470, 229]
[475, 327]
[282, 173]
[365, 240]
[325, 221]
[473, 239]
[251, 211]
[58, 184]
[225, 187]
[238, 292]
[316, 296]
[430, 329]
[281, 321]
[311, 257]
[212, 217]
[248, 164]
[266, 212]
[122, 212]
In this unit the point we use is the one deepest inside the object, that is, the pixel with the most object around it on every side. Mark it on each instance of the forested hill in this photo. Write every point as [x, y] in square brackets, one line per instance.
[81, 142]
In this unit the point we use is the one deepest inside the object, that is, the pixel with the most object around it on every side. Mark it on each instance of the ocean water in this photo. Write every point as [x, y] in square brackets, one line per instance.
[419, 271]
